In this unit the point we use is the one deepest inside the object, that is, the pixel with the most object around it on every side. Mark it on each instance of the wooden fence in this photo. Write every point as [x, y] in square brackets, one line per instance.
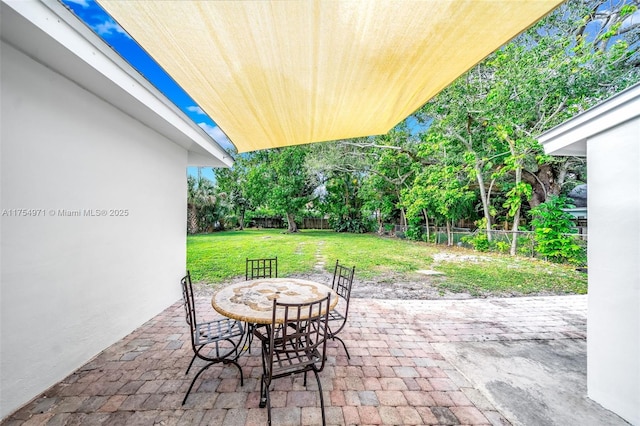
[278, 222]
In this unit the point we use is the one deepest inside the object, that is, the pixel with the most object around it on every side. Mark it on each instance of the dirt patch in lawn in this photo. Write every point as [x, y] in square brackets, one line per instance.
[387, 286]
[393, 286]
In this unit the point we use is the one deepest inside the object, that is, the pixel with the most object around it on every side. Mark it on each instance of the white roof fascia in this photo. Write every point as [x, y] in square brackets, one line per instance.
[570, 137]
[49, 33]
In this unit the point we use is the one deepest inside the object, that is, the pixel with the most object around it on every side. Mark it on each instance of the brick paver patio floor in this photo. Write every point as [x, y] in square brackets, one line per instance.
[394, 377]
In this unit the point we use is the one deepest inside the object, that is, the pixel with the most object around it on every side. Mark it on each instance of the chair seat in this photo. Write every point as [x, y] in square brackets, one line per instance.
[289, 360]
[336, 316]
[285, 364]
[217, 330]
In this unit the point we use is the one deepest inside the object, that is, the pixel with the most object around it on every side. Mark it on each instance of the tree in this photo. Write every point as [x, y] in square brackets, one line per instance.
[192, 207]
[204, 212]
[231, 182]
[459, 116]
[380, 165]
[541, 79]
[396, 160]
[441, 189]
[380, 197]
[344, 204]
[337, 170]
[551, 72]
[278, 180]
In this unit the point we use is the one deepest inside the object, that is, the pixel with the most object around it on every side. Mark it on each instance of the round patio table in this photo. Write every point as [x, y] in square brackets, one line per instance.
[252, 301]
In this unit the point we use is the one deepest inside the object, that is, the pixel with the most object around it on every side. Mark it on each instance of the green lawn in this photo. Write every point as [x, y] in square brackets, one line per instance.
[214, 258]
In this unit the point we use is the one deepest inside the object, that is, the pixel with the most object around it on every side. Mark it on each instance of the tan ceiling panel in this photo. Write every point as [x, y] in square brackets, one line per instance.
[279, 73]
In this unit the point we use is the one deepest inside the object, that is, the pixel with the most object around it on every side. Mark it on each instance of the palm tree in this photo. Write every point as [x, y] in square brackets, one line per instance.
[201, 204]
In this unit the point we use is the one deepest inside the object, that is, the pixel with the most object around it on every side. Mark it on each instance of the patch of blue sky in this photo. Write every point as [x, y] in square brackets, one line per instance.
[92, 14]
[205, 172]
[416, 126]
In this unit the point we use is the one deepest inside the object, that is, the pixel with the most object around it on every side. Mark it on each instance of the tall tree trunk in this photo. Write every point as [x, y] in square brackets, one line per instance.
[546, 181]
[292, 226]
[192, 219]
[516, 217]
[241, 219]
[380, 224]
[449, 233]
[403, 219]
[517, 168]
[484, 198]
[426, 221]
[514, 231]
[477, 167]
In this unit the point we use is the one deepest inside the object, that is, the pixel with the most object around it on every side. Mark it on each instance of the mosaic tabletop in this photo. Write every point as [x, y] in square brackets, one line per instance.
[252, 301]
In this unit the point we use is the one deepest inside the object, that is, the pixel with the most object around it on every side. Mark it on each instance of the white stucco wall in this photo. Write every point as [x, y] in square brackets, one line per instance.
[71, 286]
[609, 136]
[613, 336]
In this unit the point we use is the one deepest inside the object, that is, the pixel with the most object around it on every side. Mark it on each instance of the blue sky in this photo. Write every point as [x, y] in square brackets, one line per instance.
[100, 22]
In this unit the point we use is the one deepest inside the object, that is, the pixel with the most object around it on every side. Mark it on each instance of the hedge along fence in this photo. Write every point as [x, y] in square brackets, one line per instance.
[569, 247]
[500, 239]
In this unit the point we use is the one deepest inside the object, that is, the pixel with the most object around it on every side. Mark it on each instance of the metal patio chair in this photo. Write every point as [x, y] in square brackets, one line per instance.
[214, 341]
[261, 268]
[341, 284]
[297, 347]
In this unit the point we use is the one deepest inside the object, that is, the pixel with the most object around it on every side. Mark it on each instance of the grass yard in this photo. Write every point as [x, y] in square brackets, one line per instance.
[215, 258]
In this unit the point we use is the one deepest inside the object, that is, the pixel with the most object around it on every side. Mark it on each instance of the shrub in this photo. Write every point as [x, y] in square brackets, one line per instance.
[478, 241]
[552, 229]
[503, 247]
[353, 225]
[414, 232]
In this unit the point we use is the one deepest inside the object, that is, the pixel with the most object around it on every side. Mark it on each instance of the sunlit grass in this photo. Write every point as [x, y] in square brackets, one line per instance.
[501, 274]
[214, 258]
[219, 256]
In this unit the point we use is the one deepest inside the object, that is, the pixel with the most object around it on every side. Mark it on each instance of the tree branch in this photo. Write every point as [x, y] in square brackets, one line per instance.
[400, 149]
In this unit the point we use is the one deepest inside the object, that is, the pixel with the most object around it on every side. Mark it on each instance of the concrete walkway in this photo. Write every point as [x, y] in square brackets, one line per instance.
[450, 362]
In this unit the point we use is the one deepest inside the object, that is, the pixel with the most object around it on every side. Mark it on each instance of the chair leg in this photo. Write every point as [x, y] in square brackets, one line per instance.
[190, 364]
[321, 396]
[249, 339]
[264, 386]
[267, 403]
[225, 362]
[263, 396]
[343, 345]
[194, 380]
[234, 362]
